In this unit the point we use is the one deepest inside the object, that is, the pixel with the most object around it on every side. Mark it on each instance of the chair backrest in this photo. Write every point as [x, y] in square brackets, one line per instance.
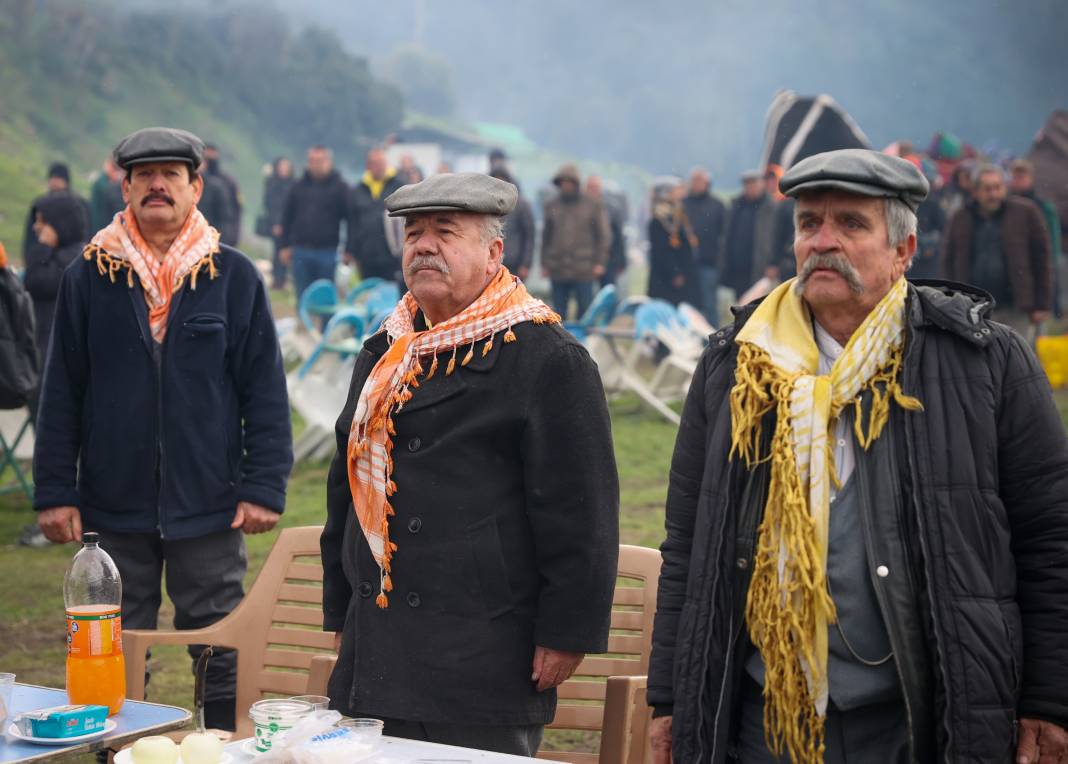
[375, 322]
[695, 320]
[653, 314]
[603, 308]
[318, 294]
[280, 623]
[383, 297]
[581, 698]
[347, 322]
[362, 288]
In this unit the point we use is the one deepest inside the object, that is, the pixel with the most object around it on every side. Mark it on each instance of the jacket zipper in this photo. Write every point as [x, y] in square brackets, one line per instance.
[869, 544]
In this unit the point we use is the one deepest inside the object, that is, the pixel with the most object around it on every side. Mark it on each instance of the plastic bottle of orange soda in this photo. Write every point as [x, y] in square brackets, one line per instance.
[92, 592]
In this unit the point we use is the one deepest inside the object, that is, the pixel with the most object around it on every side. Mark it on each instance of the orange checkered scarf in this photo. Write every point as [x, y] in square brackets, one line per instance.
[502, 305]
[120, 245]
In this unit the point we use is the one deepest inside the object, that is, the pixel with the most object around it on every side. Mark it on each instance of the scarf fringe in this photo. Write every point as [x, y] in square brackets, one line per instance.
[109, 265]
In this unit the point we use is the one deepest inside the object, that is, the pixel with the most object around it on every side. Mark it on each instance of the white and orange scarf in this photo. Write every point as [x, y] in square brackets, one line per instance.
[120, 245]
[502, 305]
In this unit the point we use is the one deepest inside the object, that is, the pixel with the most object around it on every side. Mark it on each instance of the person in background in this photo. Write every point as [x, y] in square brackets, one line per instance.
[957, 193]
[781, 263]
[105, 196]
[575, 241]
[459, 605]
[276, 188]
[214, 201]
[1000, 243]
[315, 208]
[57, 182]
[672, 244]
[519, 230]
[751, 234]
[61, 231]
[409, 171]
[368, 243]
[164, 423]
[708, 219]
[498, 160]
[1023, 184]
[230, 228]
[617, 214]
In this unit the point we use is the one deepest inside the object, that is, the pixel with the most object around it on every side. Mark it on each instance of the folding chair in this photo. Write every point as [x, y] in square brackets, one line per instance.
[318, 302]
[8, 450]
[600, 313]
[341, 337]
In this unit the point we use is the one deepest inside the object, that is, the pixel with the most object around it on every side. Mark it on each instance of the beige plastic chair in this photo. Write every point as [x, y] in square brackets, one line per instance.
[607, 693]
[277, 629]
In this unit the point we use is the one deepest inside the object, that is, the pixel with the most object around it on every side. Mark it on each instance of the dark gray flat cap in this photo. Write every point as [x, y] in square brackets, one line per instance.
[857, 171]
[454, 192]
[159, 144]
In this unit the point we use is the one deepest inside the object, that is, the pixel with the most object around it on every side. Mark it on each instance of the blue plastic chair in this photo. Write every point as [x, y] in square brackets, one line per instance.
[383, 297]
[318, 303]
[362, 288]
[653, 314]
[347, 319]
[376, 321]
[600, 313]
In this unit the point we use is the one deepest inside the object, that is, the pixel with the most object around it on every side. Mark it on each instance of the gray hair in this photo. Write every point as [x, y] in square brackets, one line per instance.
[491, 227]
[988, 169]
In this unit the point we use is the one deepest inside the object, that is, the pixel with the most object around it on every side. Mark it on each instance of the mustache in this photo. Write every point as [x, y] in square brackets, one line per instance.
[423, 262]
[156, 195]
[829, 262]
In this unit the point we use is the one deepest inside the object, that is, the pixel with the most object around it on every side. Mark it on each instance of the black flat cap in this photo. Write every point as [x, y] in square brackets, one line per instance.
[857, 171]
[159, 144]
[454, 192]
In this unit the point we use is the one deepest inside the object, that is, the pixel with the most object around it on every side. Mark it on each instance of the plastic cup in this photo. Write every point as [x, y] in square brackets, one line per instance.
[366, 731]
[319, 702]
[275, 716]
[7, 689]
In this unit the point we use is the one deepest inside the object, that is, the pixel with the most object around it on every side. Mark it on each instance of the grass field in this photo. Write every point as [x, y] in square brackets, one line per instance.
[32, 643]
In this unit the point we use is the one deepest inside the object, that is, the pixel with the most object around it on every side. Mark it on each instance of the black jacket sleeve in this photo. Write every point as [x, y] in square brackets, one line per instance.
[261, 387]
[572, 498]
[337, 592]
[59, 418]
[289, 215]
[684, 489]
[525, 219]
[1033, 477]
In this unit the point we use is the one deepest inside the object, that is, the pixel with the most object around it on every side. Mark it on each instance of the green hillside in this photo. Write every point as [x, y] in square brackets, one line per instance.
[77, 76]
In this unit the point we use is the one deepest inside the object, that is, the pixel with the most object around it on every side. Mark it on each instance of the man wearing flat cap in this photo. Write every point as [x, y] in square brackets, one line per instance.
[867, 517]
[164, 421]
[469, 553]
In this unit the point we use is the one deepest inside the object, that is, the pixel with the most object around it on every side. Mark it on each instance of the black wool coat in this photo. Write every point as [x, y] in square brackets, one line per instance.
[506, 528]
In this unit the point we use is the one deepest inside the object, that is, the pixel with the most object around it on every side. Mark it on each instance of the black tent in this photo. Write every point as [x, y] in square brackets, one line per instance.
[800, 126]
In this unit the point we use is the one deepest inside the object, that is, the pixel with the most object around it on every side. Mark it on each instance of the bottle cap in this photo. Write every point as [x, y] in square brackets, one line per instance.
[90, 537]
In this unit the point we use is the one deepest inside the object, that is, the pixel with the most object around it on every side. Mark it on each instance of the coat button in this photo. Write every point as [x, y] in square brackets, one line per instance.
[413, 599]
[415, 525]
[742, 563]
[882, 571]
[414, 444]
[364, 589]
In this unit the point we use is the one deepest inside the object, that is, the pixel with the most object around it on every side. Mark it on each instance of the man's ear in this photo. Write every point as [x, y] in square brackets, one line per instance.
[496, 252]
[198, 189]
[125, 190]
[905, 251]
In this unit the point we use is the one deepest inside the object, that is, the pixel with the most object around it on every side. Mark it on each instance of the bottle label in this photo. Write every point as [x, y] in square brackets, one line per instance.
[94, 631]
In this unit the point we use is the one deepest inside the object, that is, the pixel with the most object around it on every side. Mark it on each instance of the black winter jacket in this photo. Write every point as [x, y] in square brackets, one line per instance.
[140, 444]
[313, 213]
[367, 231]
[983, 638]
[506, 528]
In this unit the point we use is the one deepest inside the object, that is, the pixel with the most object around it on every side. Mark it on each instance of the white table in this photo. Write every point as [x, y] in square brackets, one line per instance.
[395, 750]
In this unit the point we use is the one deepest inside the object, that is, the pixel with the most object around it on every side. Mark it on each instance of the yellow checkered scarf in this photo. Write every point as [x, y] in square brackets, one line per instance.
[789, 608]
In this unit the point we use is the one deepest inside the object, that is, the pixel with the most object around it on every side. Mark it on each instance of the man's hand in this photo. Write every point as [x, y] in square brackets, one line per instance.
[1039, 316]
[252, 518]
[47, 235]
[286, 255]
[1041, 743]
[276, 230]
[679, 281]
[337, 642]
[61, 524]
[660, 739]
[553, 667]
[598, 270]
[347, 258]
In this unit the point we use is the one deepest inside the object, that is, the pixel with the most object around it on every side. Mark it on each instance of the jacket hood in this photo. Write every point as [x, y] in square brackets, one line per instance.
[66, 213]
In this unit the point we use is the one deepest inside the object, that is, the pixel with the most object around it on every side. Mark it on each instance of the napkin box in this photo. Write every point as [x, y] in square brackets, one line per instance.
[62, 721]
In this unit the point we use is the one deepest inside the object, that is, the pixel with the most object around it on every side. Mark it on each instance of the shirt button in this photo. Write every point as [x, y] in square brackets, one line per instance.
[414, 444]
[364, 589]
[882, 571]
[415, 525]
[413, 599]
[841, 443]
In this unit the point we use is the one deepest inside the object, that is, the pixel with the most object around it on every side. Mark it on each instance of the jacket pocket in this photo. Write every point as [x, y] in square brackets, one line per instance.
[202, 344]
[485, 543]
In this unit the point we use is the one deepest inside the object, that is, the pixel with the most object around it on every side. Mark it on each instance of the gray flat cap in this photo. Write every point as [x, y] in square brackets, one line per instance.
[159, 144]
[454, 192]
[858, 171]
